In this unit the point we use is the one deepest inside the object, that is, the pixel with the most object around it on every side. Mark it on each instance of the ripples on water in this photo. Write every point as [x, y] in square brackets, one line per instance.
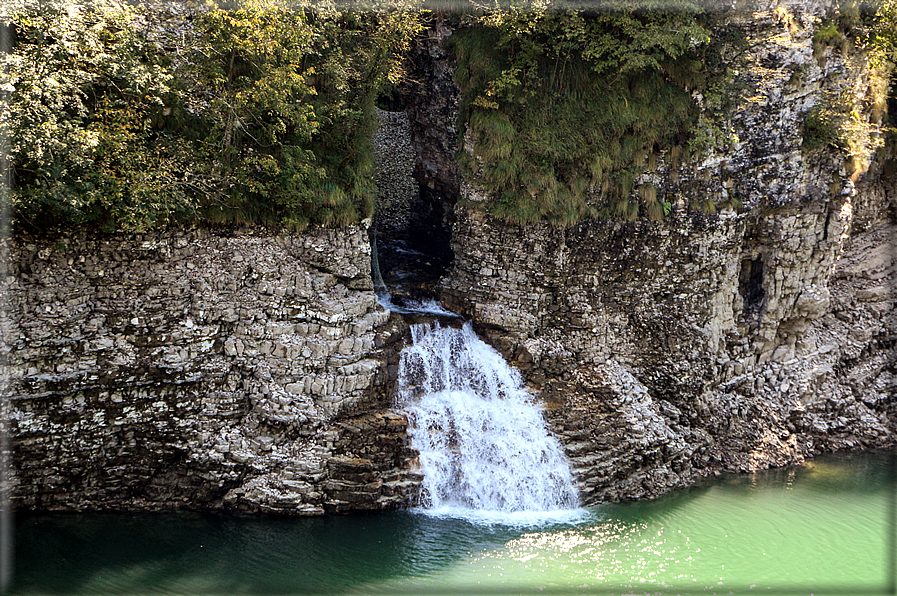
[822, 526]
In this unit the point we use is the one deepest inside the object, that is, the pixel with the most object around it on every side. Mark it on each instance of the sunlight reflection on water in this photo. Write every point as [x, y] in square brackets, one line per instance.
[820, 527]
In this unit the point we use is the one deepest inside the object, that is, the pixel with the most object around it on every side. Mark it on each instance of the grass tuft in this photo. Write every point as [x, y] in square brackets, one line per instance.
[575, 146]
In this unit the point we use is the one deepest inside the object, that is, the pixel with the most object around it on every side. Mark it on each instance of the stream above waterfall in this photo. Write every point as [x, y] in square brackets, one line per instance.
[824, 526]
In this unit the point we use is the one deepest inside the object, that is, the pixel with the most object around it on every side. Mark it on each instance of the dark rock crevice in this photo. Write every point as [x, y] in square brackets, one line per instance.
[417, 174]
[750, 286]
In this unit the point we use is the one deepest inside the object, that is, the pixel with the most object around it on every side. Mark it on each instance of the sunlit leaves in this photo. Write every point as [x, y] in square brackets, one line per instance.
[292, 94]
[262, 111]
[85, 83]
[883, 38]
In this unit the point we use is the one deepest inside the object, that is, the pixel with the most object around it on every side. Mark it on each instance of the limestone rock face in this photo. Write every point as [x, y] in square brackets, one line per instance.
[730, 341]
[230, 369]
[235, 369]
[654, 367]
[397, 192]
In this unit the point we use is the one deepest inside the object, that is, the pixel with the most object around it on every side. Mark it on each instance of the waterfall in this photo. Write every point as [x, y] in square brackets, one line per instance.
[484, 445]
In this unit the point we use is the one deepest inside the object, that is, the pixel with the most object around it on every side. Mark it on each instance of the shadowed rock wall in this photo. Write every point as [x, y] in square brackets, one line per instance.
[397, 191]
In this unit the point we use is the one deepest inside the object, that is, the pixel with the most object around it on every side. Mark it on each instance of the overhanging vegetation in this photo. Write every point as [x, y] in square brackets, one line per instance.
[259, 112]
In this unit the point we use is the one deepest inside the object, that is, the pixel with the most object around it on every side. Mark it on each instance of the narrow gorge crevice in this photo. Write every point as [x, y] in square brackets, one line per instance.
[417, 177]
[410, 242]
[245, 370]
[750, 286]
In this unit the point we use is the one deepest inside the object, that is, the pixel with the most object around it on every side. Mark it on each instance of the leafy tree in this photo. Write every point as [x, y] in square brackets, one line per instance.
[290, 113]
[86, 92]
[262, 112]
[249, 66]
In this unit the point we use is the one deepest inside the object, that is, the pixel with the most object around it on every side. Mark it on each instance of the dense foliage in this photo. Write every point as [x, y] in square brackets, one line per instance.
[83, 92]
[261, 112]
[292, 102]
[123, 116]
[883, 37]
[568, 106]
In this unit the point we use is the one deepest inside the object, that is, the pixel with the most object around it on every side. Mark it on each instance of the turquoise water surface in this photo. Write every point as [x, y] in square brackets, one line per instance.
[822, 528]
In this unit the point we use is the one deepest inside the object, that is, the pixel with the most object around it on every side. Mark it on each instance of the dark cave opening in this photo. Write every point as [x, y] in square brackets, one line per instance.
[417, 174]
[750, 284]
[390, 99]
[414, 258]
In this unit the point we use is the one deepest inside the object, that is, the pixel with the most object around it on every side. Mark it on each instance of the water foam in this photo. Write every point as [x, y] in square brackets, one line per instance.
[415, 307]
[485, 450]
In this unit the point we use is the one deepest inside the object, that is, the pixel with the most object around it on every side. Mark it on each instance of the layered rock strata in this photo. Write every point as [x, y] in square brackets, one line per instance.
[228, 369]
[733, 339]
[234, 369]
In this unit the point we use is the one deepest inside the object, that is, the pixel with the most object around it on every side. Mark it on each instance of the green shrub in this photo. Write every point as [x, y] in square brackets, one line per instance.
[827, 35]
[87, 91]
[821, 128]
[836, 123]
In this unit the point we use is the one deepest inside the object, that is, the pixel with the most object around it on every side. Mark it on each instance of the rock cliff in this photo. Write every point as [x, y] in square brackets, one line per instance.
[236, 369]
[201, 368]
[724, 341]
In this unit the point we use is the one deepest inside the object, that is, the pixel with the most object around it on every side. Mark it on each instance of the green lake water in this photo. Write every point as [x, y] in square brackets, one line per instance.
[822, 528]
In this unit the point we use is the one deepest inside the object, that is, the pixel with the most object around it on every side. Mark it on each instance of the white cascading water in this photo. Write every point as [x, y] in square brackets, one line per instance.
[484, 445]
